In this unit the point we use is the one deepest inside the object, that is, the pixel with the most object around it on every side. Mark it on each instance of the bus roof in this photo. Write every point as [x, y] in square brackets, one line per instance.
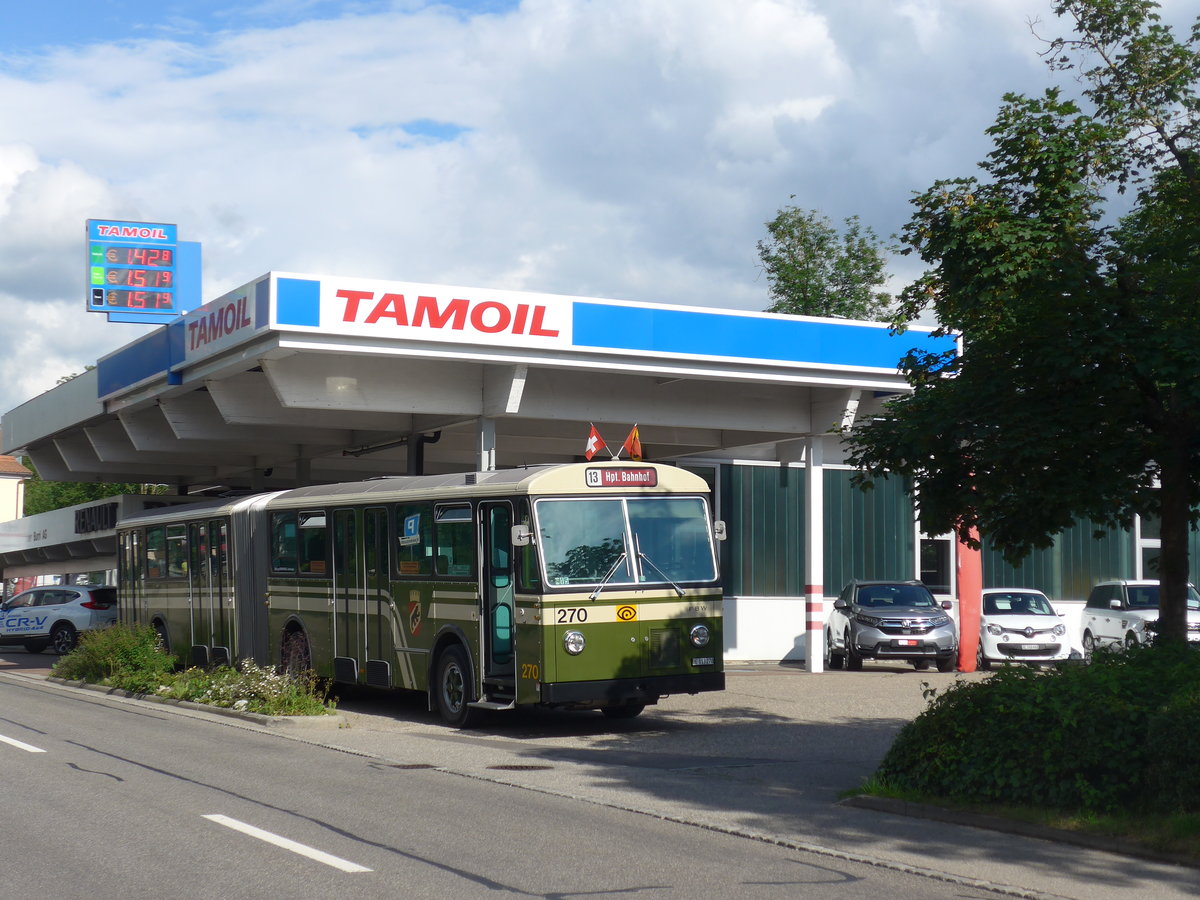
[618, 477]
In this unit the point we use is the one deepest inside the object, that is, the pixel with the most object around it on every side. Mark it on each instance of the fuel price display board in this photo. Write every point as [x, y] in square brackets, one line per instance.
[132, 267]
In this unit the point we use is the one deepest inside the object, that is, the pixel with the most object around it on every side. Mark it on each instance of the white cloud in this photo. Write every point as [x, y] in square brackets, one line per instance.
[614, 148]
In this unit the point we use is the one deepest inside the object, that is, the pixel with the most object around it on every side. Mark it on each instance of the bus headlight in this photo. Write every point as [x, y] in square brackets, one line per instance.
[699, 635]
[574, 642]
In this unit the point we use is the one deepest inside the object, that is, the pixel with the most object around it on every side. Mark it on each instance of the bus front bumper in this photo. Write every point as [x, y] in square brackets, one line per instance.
[629, 690]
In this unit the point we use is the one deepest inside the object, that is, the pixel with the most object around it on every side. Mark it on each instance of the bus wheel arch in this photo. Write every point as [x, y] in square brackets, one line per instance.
[295, 650]
[164, 636]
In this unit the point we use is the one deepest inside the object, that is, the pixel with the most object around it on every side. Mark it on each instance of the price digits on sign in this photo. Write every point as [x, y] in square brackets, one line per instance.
[139, 256]
[139, 299]
[143, 278]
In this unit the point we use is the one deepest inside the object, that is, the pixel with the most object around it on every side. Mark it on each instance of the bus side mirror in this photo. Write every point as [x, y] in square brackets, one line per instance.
[719, 530]
[521, 536]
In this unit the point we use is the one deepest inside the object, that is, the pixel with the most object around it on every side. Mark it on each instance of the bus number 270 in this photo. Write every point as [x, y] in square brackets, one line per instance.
[571, 614]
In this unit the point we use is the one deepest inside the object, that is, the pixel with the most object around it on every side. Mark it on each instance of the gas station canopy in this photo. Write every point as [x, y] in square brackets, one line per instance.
[301, 379]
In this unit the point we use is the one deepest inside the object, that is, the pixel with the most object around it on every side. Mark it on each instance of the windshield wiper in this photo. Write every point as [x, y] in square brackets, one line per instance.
[612, 571]
[638, 547]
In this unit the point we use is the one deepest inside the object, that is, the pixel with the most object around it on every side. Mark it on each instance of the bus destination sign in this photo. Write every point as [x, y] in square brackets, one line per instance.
[625, 476]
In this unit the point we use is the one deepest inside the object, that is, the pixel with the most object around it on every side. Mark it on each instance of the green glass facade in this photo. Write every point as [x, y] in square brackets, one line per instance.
[871, 534]
[868, 534]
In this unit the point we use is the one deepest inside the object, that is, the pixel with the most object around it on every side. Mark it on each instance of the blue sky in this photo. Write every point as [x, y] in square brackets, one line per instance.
[36, 27]
[628, 149]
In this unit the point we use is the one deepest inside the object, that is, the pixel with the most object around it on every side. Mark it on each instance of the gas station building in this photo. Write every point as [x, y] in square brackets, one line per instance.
[296, 379]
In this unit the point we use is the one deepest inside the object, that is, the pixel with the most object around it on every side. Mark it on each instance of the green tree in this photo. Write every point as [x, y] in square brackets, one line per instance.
[1077, 392]
[814, 271]
[43, 496]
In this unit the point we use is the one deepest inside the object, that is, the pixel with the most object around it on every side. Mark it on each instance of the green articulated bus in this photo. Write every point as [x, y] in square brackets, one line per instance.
[586, 586]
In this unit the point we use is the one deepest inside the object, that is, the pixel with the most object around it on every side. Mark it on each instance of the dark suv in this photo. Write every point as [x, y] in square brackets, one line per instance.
[890, 620]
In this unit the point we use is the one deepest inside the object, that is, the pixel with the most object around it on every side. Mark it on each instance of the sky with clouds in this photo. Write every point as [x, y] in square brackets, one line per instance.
[629, 149]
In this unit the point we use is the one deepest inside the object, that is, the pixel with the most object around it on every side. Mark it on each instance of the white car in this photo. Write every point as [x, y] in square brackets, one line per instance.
[1020, 625]
[53, 616]
[1117, 613]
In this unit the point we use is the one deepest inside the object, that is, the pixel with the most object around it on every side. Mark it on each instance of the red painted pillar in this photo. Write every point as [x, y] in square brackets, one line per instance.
[970, 591]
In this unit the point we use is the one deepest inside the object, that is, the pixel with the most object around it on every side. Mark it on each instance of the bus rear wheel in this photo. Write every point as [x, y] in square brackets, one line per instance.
[453, 688]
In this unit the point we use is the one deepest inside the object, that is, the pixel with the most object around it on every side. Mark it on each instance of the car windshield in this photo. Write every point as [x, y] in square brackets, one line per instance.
[1017, 603]
[907, 596]
[613, 540]
[1145, 596]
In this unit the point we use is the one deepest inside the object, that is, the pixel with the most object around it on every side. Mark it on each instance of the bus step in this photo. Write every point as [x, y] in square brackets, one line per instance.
[492, 704]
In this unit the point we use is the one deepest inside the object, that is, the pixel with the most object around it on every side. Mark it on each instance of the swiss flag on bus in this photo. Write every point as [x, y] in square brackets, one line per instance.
[595, 444]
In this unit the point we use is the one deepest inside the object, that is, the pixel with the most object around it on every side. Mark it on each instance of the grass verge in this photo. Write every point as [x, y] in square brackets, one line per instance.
[131, 658]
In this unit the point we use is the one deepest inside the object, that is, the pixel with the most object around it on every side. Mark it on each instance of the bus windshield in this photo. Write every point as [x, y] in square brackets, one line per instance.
[663, 539]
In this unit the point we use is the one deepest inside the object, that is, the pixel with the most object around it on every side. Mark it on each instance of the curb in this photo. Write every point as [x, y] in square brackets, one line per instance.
[335, 720]
[1011, 826]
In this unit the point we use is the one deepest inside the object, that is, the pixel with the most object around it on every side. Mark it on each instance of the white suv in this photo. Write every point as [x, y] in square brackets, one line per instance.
[1117, 613]
[53, 616]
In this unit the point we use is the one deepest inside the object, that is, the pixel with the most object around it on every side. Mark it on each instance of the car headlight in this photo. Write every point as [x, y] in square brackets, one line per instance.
[574, 642]
[1060, 630]
[700, 635]
[864, 619]
[939, 621]
[995, 630]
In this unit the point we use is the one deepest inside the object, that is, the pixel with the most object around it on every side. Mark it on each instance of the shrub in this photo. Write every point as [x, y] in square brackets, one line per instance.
[129, 657]
[251, 688]
[1074, 738]
[1173, 777]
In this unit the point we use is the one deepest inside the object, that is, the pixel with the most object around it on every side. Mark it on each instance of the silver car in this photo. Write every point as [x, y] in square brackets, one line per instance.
[898, 620]
[53, 616]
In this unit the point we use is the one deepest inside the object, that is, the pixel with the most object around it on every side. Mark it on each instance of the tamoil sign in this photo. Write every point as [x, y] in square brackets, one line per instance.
[424, 312]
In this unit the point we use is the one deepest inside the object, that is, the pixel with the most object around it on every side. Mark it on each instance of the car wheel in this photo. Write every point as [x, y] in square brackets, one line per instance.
[920, 664]
[64, 638]
[833, 660]
[36, 646]
[1131, 641]
[949, 664]
[624, 711]
[453, 687]
[854, 661]
[982, 663]
[1089, 646]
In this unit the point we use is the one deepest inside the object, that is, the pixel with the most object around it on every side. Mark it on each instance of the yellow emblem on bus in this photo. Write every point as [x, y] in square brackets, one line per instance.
[627, 613]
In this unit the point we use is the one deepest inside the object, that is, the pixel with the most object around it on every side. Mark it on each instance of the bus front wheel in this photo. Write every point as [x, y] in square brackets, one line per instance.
[624, 711]
[453, 688]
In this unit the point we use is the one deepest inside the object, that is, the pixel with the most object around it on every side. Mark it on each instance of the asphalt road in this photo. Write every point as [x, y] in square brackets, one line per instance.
[766, 759]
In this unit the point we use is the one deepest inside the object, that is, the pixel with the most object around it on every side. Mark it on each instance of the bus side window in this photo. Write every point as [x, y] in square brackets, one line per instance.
[313, 544]
[414, 542]
[156, 552]
[529, 575]
[455, 541]
[283, 542]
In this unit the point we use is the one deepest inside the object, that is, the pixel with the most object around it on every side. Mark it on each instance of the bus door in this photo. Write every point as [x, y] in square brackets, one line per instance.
[497, 590]
[349, 608]
[208, 587]
[129, 581]
[378, 597]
